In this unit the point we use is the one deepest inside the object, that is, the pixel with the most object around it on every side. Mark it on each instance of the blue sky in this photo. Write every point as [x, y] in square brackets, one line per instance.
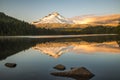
[31, 10]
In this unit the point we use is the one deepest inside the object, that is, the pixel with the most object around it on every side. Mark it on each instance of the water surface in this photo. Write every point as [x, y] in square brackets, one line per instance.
[35, 57]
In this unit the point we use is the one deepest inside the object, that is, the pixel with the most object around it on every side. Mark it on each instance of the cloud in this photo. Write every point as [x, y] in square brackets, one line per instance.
[92, 19]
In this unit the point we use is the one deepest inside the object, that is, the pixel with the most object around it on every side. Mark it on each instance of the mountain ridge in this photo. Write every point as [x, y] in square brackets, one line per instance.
[57, 20]
[54, 17]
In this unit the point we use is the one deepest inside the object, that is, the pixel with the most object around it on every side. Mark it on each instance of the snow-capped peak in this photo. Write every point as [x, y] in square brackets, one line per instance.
[54, 17]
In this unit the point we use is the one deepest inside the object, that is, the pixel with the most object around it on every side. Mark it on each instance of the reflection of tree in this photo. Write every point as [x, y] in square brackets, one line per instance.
[12, 46]
[97, 39]
[100, 39]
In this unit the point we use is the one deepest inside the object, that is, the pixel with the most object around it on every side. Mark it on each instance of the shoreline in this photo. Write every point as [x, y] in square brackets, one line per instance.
[58, 36]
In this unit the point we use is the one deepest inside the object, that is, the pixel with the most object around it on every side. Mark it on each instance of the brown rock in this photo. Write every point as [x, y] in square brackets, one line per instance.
[60, 67]
[10, 65]
[77, 73]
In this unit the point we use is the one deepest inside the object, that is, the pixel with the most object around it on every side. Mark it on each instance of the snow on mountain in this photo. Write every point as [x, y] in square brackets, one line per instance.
[53, 18]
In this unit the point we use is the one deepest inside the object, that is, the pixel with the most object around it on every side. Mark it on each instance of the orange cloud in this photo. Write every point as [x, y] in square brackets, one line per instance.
[106, 19]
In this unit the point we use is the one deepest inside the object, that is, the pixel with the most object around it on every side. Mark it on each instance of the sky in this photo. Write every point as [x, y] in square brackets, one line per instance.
[32, 10]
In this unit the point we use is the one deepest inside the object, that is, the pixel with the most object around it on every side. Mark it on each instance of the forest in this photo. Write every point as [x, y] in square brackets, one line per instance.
[10, 26]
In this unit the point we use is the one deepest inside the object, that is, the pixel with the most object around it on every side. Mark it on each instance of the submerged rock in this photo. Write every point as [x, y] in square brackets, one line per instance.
[77, 73]
[60, 67]
[10, 65]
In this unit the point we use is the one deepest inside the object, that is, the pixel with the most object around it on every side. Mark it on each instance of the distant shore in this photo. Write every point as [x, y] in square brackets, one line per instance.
[57, 36]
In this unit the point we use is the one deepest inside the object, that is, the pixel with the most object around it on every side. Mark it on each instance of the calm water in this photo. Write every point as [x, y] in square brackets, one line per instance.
[35, 57]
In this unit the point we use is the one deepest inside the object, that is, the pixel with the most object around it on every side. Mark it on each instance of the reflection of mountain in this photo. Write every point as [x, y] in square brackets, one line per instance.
[53, 49]
[55, 46]
[56, 49]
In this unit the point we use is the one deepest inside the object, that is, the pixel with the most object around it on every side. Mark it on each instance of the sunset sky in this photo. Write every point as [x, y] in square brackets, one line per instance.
[31, 10]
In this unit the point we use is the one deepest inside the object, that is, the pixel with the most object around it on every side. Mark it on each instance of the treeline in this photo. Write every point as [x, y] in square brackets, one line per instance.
[11, 26]
[90, 30]
[80, 28]
[99, 30]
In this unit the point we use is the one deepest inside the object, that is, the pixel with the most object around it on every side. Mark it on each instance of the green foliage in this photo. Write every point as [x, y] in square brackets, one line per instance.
[12, 26]
[98, 30]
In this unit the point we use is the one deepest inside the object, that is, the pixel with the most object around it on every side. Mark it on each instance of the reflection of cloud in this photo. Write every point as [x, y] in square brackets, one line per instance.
[106, 19]
[57, 49]
[94, 49]
[107, 47]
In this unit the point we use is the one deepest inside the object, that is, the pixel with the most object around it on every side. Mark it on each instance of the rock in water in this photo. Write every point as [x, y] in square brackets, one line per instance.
[10, 65]
[77, 73]
[60, 67]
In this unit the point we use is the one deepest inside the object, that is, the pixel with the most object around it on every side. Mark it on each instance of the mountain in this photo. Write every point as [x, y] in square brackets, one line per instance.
[54, 17]
[55, 20]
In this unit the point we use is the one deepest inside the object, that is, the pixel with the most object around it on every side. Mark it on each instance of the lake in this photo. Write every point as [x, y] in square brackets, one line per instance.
[36, 56]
